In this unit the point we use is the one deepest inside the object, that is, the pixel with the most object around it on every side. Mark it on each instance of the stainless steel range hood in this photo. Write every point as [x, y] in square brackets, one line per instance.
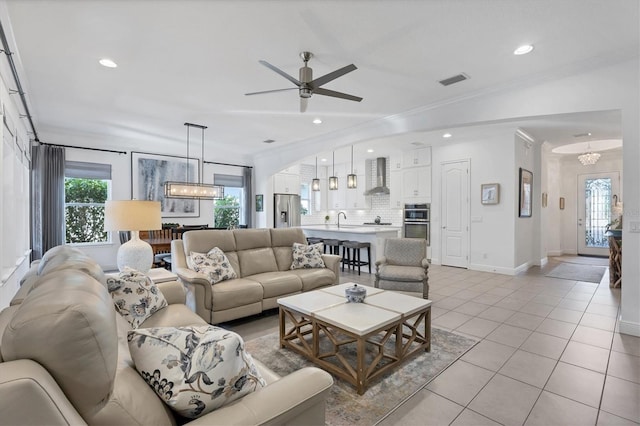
[381, 178]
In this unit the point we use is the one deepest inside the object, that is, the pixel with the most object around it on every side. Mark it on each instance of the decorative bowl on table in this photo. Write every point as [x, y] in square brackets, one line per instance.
[355, 293]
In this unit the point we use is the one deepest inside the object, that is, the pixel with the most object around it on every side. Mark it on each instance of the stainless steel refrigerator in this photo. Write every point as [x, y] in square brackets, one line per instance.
[286, 210]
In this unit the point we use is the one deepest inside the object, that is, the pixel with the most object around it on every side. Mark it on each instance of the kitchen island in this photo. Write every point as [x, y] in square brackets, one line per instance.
[366, 234]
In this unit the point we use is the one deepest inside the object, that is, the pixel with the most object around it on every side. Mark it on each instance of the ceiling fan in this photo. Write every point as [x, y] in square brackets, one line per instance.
[307, 86]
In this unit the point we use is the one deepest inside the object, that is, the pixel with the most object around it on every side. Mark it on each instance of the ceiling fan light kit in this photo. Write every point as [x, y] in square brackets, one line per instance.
[194, 190]
[306, 85]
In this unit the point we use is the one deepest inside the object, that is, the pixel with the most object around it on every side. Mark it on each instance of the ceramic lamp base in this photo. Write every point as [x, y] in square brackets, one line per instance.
[135, 254]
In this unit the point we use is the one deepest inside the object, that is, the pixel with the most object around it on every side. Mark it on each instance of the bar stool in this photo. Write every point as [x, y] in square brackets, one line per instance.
[333, 244]
[356, 246]
[313, 240]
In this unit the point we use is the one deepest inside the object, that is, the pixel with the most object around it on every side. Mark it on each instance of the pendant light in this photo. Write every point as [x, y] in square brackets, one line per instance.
[352, 180]
[188, 189]
[589, 158]
[315, 182]
[333, 180]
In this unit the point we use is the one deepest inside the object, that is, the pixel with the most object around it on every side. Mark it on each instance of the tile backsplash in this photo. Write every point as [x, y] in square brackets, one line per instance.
[379, 206]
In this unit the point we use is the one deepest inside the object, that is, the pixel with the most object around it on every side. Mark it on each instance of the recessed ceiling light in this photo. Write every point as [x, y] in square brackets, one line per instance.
[106, 62]
[317, 121]
[369, 150]
[447, 135]
[523, 50]
[323, 159]
[268, 141]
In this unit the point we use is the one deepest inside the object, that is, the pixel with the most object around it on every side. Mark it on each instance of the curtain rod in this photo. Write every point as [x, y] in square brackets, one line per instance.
[227, 164]
[83, 147]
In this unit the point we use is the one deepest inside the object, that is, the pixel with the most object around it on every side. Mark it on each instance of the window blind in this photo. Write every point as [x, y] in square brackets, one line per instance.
[84, 170]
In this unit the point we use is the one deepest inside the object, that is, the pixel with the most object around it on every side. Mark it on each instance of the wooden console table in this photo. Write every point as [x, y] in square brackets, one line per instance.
[615, 257]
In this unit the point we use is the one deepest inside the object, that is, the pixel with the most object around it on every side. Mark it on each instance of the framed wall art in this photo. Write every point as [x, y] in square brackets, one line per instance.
[259, 202]
[526, 192]
[490, 193]
[149, 172]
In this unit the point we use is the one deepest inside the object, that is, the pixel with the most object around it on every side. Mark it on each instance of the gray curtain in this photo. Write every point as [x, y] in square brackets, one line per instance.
[47, 199]
[248, 211]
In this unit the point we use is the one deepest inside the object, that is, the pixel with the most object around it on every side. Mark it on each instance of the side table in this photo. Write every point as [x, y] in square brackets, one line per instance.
[615, 257]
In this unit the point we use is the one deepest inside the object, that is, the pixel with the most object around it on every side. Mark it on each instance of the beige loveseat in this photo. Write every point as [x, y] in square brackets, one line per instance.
[65, 359]
[262, 260]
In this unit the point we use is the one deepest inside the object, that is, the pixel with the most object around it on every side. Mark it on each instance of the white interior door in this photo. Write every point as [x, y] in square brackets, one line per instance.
[455, 214]
[595, 200]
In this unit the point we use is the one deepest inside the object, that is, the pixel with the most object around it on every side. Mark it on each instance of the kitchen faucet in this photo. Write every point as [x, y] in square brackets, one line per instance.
[345, 217]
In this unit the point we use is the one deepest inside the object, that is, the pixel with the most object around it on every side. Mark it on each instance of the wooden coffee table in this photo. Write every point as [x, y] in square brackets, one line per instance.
[355, 341]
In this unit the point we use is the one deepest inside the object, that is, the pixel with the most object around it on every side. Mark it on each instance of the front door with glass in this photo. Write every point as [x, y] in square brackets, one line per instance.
[595, 200]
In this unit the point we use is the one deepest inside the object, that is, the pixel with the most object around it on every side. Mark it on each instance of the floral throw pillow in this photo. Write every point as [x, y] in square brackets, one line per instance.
[307, 256]
[135, 296]
[215, 265]
[195, 369]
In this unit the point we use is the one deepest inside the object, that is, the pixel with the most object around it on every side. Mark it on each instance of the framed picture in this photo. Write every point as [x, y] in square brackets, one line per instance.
[490, 193]
[149, 172]
[526, 191]
[259, 202]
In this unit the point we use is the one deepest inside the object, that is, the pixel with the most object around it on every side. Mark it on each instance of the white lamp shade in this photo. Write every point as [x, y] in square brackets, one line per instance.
[132, 215]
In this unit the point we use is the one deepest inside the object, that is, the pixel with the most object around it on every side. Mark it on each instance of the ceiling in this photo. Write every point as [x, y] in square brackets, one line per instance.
[193, 61]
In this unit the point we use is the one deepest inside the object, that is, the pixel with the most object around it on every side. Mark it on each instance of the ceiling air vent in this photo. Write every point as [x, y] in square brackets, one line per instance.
[455, 79]
[268, 141]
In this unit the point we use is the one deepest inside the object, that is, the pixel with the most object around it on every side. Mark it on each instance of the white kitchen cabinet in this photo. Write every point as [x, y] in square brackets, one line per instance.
[416, 185]
[355, 198]
[395, 189]
[285, 183]
[395, 162]
[417, 157]
[320, 197]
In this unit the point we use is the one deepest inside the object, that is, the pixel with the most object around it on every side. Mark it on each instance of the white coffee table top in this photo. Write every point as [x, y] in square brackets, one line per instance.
[311, 301]
[340, 288]
[358, 318]
[397, 302]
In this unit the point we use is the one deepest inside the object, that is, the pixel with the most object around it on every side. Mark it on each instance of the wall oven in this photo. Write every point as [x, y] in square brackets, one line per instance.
[417, 221]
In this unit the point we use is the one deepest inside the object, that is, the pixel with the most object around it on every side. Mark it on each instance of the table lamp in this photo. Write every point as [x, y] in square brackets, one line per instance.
[134, 216]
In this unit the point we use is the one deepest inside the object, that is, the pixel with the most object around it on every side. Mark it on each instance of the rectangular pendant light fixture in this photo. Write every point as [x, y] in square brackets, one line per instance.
[315, 182]
[333, 180]
[352, 180]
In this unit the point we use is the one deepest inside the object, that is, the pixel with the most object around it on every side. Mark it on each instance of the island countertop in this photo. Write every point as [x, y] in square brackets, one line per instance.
[352, 229]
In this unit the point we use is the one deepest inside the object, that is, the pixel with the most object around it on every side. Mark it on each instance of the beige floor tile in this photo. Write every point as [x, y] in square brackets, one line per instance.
[478, 327]
[496, 314]
[529, 368]
[538, 309]
[621, 398]
[577, 383]
[604, 310]
[593, 336]
[546, 299]
[489, 355]
[488, 299]
[505, 400]
[545, 345]
[556, 328]
[471, 418]
[608, 419]
[468, 294]
[509, 335]
[574, 305]
[471, 308]
[626, 343]
[624, 366]
[447, 291]
[501, 291]
[566, 315]
[449, 303]
[511, 303]
[551, 409]
[424, 408]
[522, 320]
[451, 320]
[607, 299]
[598, 321]
[436, 312]
[461, 382]
[586, 356]
[578, 295]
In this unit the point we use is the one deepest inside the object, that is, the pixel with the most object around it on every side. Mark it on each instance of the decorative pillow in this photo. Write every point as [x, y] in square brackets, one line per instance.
[215, 265]
[135, 296]
[194, 369]
[307, 256]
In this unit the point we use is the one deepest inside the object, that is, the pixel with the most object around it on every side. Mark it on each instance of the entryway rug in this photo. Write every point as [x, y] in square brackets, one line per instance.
[577, 272]
[345, 406]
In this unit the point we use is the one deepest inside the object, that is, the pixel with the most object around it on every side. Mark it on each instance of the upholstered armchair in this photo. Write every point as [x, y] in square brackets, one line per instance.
[404, 265]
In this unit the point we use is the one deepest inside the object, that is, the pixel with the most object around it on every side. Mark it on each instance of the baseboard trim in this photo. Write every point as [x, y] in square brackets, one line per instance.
[628, 327]
[555, 253]
[523, 268]
[492, 269]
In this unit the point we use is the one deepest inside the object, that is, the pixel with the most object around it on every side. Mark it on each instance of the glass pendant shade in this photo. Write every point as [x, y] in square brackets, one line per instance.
[352, 180]
[589, 158]
[333, 180]
[315, 182]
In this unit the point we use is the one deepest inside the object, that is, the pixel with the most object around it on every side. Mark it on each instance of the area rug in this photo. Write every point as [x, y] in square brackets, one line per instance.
[577, 272]
[345, 406]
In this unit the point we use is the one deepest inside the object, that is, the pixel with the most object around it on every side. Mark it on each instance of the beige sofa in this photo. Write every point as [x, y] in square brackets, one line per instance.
[261, 258]
[65, 359]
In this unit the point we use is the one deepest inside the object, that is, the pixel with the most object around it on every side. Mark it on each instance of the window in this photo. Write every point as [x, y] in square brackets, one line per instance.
[228, 211]
[87, 187]
[305, 199]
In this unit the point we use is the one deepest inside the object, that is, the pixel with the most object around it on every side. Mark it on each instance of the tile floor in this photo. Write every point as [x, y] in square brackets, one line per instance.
[548, 352]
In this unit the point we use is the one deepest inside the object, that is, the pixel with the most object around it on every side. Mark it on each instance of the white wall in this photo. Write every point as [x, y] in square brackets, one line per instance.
[527, 229]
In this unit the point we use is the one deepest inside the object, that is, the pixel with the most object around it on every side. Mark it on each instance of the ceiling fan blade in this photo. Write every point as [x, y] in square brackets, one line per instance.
[327, 92]
[282, 73]
[303, 104]
[270, 91]
[332, 76]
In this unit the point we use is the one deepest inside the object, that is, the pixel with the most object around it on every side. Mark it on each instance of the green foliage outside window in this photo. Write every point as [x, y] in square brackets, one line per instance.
[226, 212]
[84, 210]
